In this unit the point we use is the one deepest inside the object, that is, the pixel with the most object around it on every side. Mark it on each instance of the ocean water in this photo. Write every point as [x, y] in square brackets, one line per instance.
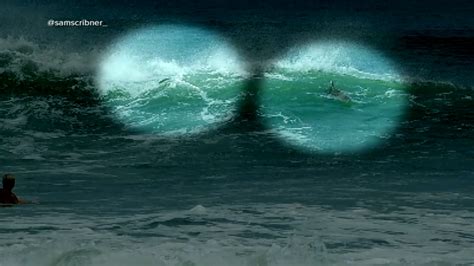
[160, 162]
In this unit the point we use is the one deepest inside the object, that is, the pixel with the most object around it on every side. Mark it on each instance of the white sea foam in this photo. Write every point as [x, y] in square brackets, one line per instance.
[340, 57]
[285, 234]
[166, 52]
[149, 72]
[198, 209]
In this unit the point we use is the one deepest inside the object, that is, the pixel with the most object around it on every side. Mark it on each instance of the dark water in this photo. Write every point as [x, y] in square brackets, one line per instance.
[237, 154]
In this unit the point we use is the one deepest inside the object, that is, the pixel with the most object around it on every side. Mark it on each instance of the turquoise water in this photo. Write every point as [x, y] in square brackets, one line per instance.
[299, 108]
[177, 106]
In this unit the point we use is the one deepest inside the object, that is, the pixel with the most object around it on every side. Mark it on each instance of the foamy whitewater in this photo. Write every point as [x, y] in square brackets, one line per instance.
[153, 160]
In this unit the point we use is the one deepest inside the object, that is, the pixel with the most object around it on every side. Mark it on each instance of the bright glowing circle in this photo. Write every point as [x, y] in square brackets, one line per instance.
[171, 80]
[362, 108]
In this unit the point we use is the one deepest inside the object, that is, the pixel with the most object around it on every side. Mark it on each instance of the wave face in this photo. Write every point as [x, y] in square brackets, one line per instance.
[171, 79]
[365, 103]
[112, 197]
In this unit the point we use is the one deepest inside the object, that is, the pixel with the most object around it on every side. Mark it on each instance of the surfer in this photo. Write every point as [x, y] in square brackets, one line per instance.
[337, 93]
[6, 194]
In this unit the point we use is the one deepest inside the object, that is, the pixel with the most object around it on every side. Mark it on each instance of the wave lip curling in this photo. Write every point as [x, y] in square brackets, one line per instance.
[171, 80]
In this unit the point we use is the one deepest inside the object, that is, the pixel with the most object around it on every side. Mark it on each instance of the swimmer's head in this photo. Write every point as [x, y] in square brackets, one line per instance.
[8, 181]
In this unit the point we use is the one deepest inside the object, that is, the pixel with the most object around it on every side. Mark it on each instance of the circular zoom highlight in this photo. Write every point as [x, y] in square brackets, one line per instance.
[333, 97]
[171, 80]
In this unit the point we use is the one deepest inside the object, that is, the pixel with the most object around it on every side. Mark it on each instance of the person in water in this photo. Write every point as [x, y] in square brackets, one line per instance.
[335, 92]
[6, 194]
